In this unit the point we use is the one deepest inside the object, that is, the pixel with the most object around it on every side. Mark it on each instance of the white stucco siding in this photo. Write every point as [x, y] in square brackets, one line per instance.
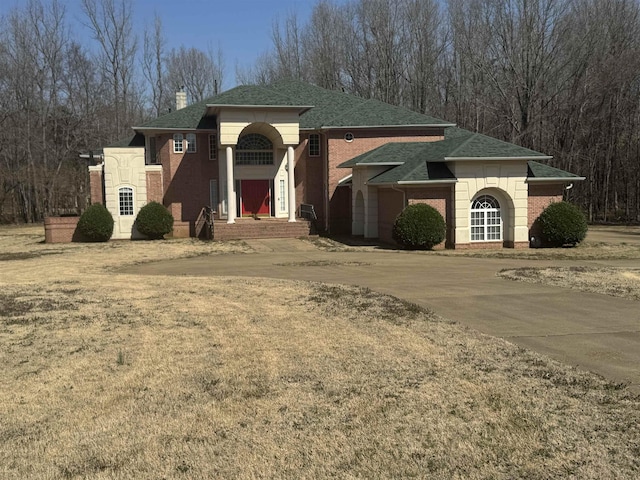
[233, 121]
[368, 225]
[507, 180]
[124, 167]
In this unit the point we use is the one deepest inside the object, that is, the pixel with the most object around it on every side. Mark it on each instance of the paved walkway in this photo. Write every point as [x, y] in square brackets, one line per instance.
[593, 331]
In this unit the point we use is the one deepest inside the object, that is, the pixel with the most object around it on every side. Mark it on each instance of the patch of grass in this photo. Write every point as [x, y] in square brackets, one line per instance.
[321, 263]
[617, 282]
[7, 257]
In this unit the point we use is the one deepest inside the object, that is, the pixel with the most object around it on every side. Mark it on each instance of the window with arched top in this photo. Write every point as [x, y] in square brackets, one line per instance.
[125, 201]
[486, 221]
[254, 149]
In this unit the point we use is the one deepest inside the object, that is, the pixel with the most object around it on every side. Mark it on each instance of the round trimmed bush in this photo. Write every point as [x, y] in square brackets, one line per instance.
[96, 223]
[154, 221]
[419, 227]
[562, 223]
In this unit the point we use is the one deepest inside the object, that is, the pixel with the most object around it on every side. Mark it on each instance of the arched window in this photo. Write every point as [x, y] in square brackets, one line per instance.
[486, 222]
[254, 149]
[125, 200]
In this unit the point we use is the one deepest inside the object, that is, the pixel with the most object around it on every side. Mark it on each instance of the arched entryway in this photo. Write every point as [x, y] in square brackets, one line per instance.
[255, 150]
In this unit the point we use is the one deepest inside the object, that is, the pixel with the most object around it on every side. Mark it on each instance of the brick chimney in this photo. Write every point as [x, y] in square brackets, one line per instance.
[181, 98]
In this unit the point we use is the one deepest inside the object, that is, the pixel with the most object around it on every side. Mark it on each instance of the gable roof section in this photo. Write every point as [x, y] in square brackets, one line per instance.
[342, 110]
[320, 108]
[478, 146]
[415, 172]
[425, 162]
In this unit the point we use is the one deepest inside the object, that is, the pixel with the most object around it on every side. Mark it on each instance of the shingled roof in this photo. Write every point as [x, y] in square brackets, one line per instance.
[319, 108]
[425, 162]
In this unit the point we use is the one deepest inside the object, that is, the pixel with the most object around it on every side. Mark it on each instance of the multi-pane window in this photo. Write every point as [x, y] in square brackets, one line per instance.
[178, 146]
[191, 143]
[314, 145]
[152, 154]
[254, 149]
[125, 200]
[486, 222]
[283, 206]
[213, 194]
[213, 147]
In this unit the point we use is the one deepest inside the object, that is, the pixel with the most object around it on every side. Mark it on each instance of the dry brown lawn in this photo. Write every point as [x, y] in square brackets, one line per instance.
[106, 375]
[618, 282]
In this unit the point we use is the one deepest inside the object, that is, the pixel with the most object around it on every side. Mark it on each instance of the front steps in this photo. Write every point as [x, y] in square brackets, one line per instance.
[246, 228]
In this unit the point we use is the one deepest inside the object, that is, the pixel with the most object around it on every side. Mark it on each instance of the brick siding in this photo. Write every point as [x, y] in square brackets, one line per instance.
[540, 197]
[390, 204]
[440, 198]
[339, 151]
[186, 177]
[97, 187]
[154, 187]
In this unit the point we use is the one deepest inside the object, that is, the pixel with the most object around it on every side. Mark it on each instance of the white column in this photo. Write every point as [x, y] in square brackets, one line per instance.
[231, 187]
[292, 184]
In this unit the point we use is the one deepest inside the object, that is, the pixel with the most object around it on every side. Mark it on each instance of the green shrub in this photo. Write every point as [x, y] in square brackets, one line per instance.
[96, 223]
[419, 226]
[154, 221]
[562, 223]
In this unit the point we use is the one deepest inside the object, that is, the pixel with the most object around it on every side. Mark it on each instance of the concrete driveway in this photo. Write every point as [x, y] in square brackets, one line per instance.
[592, 331]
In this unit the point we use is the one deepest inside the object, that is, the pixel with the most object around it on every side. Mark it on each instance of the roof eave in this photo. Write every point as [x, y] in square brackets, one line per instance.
[404, 125]
[555, 179]
[301, 108]
[172, 129]
[535, 157]
[417, 182]
[423, 182]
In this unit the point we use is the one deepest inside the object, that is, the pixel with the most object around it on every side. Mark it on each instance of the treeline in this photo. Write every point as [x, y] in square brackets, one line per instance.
[62, 94]
[558, 76]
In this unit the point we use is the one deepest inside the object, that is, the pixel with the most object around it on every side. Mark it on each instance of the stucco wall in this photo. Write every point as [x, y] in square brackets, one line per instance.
[124, 167]
[233, 121]
[506, 181]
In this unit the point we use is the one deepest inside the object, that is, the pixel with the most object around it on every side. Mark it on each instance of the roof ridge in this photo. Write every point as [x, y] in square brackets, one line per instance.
[473, 135]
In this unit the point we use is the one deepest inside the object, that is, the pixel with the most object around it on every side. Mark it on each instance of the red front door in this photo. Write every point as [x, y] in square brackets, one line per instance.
[255, 197]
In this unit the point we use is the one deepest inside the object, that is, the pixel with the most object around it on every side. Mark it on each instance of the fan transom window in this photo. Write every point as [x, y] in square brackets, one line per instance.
[486, 222]
[125, 201]
[254, 149]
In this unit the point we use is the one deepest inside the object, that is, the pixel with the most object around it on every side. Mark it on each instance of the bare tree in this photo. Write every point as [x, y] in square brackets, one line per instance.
[198, 72]
[112, 26]
[153, 67]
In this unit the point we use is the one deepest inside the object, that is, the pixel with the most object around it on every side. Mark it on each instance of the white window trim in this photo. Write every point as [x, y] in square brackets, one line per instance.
[133, 201]
[214, 197]
[485, 225]
[177, 142]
